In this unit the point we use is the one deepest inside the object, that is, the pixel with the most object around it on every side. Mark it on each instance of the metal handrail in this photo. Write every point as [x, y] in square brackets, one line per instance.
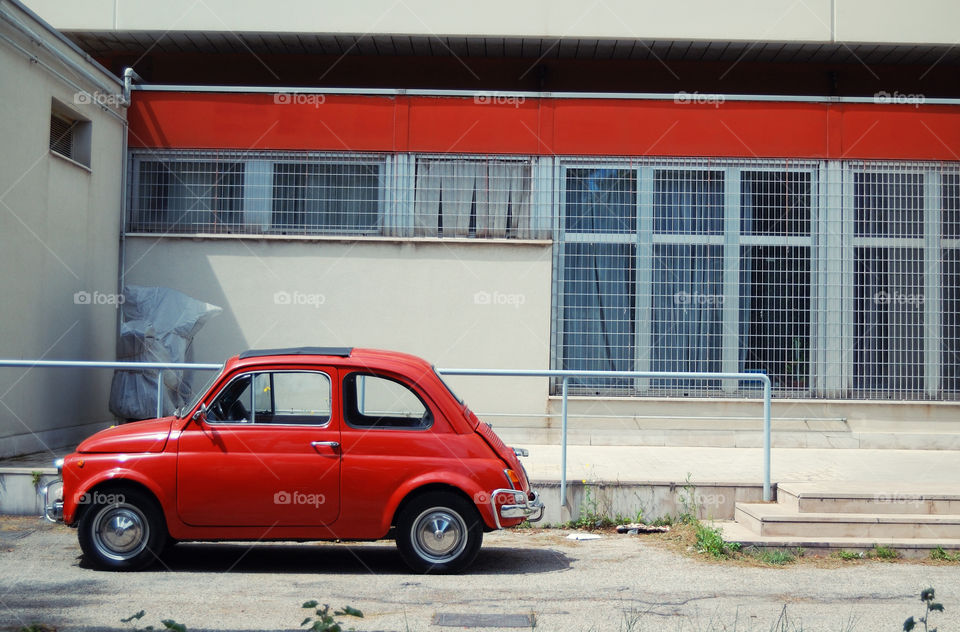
[160, 367]
[566, 375]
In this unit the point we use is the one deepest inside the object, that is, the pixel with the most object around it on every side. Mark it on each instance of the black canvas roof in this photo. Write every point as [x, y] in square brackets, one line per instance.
[343, 352]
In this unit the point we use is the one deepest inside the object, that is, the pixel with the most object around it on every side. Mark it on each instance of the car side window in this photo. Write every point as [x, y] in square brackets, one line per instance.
[375, 401]
[233, 404]
[274, 397]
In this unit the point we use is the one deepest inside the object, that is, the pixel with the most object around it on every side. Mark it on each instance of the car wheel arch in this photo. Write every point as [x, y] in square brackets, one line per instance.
[115, 484]
[427, 488]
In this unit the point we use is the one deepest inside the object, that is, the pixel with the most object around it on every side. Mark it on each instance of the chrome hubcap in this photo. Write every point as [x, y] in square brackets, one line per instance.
[120, 532]
[439, 535]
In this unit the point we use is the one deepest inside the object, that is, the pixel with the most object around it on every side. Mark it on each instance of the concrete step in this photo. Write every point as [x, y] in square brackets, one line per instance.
[771, 519]
[905, 547]
[872, 498]
[677, 438]
[20, 489]
[721, 436]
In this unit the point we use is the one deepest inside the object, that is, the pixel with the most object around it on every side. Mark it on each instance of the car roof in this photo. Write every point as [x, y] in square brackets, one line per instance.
[342, 352]
[350, 356]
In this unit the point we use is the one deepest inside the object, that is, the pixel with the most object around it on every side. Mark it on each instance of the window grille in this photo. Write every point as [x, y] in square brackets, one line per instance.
[61, 135]
[838, 279]
[289, 193]
[470, 197]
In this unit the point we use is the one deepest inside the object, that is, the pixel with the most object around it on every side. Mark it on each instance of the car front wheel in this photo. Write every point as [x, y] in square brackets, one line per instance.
[439, 532]
[122, 531]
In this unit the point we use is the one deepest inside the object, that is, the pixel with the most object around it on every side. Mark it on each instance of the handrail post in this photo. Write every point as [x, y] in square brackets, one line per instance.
[159, 393]
[563, 443]
[767, 496]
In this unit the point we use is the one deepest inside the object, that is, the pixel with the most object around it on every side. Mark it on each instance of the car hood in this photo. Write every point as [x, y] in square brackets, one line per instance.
[139, 436]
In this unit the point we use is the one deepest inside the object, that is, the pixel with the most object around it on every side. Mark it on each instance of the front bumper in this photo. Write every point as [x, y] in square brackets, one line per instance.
[517, 505]
[53, 500]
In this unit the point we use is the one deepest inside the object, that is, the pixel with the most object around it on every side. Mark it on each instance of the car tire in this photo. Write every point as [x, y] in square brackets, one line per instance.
[439, 532]
[122, 531]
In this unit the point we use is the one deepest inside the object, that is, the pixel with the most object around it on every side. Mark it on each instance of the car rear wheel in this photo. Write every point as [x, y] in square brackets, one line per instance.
[122, 531]
[439, 532]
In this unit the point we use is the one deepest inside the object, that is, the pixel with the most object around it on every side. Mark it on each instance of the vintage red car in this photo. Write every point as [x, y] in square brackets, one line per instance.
[299, 444]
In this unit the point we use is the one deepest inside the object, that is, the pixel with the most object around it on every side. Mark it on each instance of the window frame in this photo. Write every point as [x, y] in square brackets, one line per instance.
[272, 424]
[350, 408]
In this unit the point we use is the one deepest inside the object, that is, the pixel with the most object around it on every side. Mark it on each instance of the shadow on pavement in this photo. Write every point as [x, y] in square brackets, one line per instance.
[336, 558]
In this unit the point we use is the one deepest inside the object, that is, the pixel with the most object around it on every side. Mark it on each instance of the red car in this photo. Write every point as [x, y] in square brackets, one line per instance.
[299, 444]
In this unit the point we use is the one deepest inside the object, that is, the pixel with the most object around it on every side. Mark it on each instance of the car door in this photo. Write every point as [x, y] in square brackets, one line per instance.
[266, 453]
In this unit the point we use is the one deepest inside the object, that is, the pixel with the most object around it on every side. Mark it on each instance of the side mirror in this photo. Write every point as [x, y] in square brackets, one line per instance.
[201, 413]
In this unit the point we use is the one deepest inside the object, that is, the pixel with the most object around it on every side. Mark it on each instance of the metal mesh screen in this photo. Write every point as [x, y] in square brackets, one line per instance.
[836, 279]
[288, 193]
[310, 193]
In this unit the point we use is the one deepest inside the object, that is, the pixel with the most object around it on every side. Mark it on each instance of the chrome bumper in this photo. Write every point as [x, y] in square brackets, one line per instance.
[518, 505]
[53, 509]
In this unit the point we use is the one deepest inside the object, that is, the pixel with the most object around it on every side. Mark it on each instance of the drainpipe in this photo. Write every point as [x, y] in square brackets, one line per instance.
[129, 76]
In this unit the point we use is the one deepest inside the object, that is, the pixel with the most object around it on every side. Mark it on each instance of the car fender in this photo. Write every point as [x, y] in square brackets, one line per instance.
[465, 484]
[84, 488]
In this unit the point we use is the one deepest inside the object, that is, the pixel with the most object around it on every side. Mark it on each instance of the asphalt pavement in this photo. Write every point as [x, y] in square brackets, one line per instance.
[616, 583]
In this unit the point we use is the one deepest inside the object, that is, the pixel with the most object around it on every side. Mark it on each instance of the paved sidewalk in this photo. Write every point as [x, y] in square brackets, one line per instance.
[704, 465]
[743, 465]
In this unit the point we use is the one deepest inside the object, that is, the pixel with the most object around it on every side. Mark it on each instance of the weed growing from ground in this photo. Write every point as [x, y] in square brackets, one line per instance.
[945, 556]
[884, 552]
[926, 596]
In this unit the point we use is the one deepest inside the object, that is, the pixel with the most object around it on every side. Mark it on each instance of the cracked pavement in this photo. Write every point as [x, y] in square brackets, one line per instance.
[618, 582]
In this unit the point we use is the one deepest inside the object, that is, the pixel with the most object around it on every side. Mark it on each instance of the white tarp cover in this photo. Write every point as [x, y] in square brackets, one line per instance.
[158, 325]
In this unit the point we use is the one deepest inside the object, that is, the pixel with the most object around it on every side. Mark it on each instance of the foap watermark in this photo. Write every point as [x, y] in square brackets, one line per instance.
[100, 498]
[498, 298]
[298, 298]
[299, 498]
[299, 98]
[899, 98]
[84, 297]
[716, 100]
[106, 99]
[502, 498]
[899, 499]
[896, 297]
[695, 298]
[498, 98]
[709, 500]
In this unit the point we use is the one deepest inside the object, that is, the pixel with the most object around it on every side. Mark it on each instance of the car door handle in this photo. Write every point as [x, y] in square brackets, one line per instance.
[326, 444]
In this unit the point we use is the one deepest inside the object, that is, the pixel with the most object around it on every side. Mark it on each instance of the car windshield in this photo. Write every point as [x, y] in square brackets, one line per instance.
[200, 392]
[449, 390]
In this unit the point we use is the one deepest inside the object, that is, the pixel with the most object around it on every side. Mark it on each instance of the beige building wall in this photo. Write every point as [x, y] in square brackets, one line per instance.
[918, 22]
[454, 303]
[58, 236]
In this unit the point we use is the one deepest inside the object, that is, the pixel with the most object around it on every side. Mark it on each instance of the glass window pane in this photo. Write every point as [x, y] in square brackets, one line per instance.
[773, 203]
[188, 196]
[599, 311]
[326, 198]
[601, 201]
[687, 302]
[950, 205]
[292, 398]
[950, 322]
[687, 202]
[888, 324]
[888, 204]
[775, 314]
[382, 402]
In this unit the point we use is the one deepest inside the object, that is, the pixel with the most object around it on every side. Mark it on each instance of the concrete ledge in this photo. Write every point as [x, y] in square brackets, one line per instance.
[34, 442]
[653, 499]
[906, 547]
[20, 490]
